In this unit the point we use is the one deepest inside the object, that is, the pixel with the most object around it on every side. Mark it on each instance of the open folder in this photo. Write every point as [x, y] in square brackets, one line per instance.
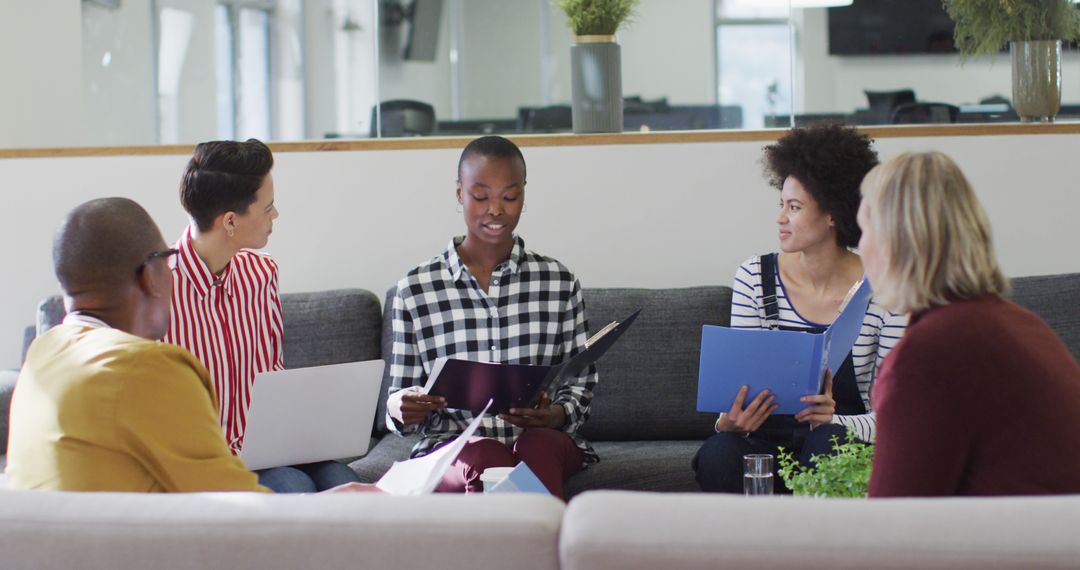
[468, 385]
[790, 364]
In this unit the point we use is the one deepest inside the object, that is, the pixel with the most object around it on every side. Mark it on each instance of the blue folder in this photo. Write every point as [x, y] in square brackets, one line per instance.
[790, 364]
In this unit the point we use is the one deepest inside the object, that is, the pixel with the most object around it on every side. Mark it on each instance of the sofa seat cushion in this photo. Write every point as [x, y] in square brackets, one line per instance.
[698, 531]
[40, 529]
[382, 455]
[639, 466]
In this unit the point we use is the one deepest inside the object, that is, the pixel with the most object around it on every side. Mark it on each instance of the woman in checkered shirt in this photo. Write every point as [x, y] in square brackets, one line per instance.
[487, 298]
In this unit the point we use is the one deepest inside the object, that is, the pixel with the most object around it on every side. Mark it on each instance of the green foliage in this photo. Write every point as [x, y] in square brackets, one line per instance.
[983, 27]
[597, 17]
[845, 474]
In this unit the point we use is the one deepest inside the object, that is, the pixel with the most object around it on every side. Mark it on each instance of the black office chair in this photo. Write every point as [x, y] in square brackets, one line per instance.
[882, 103]
[402, 118]
[921, 113]
[550, 119]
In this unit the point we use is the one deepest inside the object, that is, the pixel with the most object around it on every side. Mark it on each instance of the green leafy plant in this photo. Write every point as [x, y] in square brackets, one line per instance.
[983, 27]
[845, 474]
[597, 17]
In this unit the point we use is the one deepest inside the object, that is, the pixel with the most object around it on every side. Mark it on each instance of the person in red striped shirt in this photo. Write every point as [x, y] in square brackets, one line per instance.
[225, 305]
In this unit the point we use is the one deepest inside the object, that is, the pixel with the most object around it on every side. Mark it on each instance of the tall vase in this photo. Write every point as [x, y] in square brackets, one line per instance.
[596, 85]
[1036, 79]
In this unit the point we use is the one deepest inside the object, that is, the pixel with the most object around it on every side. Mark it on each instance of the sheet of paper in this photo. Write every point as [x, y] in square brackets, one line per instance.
[420, 476]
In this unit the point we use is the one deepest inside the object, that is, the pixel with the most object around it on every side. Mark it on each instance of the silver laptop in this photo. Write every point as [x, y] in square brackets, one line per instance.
[311, 414]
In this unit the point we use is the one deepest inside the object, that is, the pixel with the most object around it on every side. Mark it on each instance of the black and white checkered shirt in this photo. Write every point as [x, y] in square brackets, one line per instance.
[533, 313]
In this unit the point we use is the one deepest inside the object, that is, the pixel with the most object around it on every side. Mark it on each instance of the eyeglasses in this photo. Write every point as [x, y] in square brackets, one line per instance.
[166, 253]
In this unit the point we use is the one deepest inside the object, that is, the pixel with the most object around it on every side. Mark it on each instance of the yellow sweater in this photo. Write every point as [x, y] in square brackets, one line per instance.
[98, 409]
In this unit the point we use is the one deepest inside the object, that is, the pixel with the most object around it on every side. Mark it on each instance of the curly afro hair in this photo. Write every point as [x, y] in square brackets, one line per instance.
[830, 160]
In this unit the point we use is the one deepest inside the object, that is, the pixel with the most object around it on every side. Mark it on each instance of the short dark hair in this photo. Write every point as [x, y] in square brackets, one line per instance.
[830, 160]
[491, 146]
[223, 176]
[100, 245]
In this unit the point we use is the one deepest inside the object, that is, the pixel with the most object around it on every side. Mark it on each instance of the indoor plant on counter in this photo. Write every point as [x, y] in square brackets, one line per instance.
[595, 63]
[1034, 30]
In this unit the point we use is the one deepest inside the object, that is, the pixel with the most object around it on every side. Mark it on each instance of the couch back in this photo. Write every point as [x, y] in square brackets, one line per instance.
[1056, 299]
[324, 327]
[648, 380]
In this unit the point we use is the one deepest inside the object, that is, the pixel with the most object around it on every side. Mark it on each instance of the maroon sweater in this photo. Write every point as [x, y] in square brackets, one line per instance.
[979, 397]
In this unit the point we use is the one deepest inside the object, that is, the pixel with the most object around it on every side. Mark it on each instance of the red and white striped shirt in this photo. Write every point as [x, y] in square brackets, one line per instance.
[231, 323]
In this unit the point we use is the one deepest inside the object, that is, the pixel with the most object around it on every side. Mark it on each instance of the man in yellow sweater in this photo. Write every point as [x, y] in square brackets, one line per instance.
[100, 405]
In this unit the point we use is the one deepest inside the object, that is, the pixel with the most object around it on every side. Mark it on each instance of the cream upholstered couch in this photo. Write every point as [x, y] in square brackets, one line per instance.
[598, 530]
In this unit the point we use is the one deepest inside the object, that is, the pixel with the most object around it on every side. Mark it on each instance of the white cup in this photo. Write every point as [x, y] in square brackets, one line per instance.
[492, 475]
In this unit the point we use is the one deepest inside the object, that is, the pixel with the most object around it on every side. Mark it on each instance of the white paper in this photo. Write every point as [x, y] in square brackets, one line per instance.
[420, 476]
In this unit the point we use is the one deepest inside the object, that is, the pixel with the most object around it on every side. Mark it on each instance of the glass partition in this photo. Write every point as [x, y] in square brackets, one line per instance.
[127, 72]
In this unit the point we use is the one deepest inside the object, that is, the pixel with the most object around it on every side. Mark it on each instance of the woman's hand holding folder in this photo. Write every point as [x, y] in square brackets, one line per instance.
[822, 407]
[747, 420]
[543, 414]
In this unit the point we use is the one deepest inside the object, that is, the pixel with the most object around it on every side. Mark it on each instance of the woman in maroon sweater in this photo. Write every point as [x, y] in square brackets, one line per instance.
[979, 397]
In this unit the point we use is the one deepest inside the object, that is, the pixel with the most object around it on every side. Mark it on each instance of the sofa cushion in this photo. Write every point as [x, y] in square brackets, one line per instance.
[7, 386]
[612, 529]
[387, 344]
[118, 531]
[638, 466]
[1056, 299]
[392, 447]
[648, 380]
[330, 327]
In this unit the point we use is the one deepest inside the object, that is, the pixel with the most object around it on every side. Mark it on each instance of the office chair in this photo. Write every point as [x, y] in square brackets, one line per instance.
[882, 103]
[545, 119]
[403, 118]
[914, 113]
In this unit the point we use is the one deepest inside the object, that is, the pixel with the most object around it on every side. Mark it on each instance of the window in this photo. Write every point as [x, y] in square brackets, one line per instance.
[754, 60]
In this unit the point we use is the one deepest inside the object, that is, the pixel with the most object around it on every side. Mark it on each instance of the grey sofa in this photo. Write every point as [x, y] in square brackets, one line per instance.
[643, 422]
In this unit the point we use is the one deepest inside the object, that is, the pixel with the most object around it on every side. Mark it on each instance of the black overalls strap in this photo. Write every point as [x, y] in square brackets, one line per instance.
[768, 290]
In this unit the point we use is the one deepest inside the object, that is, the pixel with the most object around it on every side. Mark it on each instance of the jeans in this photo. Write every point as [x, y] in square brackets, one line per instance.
[718, 465]
[307, 478]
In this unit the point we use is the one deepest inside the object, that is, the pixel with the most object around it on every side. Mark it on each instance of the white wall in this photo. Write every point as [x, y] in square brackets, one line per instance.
[836, 84]
[40, 96]
[656, 215]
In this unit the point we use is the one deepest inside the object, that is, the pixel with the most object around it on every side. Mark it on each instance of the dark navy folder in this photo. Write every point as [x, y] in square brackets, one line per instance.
[790, 364]
[468, 385]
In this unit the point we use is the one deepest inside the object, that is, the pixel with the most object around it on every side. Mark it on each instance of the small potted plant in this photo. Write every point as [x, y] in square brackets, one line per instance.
[846, 473]
[595, 62]
[1034, 30]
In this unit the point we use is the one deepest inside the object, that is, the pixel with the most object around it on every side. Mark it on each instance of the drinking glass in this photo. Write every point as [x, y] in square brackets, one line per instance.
[758, 474]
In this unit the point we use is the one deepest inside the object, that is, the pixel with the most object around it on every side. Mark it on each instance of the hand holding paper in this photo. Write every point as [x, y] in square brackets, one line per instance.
[420, 476]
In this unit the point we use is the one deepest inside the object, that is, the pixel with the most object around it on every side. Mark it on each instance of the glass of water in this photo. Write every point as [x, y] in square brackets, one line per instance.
[758, 474]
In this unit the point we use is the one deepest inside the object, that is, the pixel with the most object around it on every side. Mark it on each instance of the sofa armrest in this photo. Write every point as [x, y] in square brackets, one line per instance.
[7, 386]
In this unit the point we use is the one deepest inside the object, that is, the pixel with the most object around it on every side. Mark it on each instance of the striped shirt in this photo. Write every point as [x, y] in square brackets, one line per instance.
[532, 313]
[881, 330]
[231, 323]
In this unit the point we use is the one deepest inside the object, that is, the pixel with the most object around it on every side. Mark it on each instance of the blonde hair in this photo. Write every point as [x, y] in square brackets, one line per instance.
[933, 233]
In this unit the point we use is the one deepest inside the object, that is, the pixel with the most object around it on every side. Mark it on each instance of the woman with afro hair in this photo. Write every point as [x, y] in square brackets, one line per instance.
[802, 287]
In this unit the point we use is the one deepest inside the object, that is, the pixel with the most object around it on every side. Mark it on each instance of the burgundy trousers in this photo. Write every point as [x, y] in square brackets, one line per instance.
[551, 455]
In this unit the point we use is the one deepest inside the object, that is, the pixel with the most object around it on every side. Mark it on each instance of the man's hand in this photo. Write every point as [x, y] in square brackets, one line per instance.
[539, 416]
[749, 419]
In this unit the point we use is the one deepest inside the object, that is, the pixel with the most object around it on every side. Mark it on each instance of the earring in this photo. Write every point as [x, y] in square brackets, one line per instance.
[524, 208]
[230, 233]
[460, 209]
